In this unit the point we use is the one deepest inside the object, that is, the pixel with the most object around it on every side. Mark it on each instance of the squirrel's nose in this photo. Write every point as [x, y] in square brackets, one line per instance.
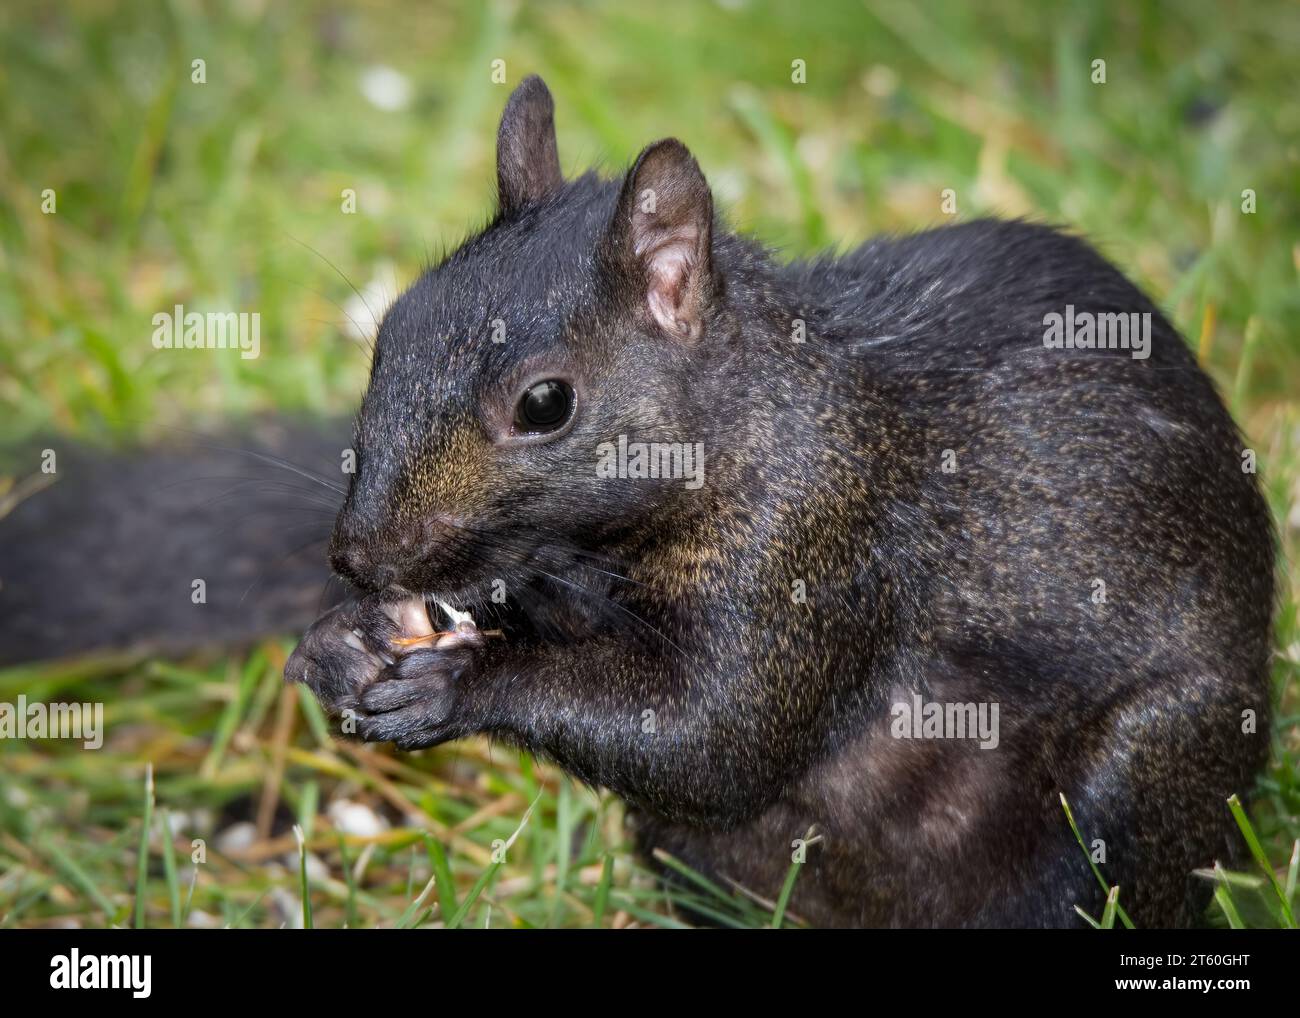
[354, 563]
[400, 556]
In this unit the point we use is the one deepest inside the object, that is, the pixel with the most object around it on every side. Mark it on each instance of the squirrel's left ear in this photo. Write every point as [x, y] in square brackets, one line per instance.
[528, 162]
[661, 237]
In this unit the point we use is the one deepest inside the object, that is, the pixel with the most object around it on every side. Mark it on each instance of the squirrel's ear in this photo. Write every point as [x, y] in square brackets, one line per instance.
[528, 164]
[661, 237]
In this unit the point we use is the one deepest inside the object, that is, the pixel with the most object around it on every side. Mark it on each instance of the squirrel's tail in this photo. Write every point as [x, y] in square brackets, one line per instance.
[199, 543]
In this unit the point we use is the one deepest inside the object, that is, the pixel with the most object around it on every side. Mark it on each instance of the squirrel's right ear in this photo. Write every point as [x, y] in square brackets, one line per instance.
[528, 163]
[661, 238]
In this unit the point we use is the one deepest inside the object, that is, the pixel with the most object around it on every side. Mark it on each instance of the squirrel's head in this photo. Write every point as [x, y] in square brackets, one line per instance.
[586, 312]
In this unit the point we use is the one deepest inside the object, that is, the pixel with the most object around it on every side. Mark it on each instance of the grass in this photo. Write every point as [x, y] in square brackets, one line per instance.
[228, 194]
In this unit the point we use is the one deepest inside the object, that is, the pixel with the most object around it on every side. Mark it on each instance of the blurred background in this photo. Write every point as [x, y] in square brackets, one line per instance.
[229, 193]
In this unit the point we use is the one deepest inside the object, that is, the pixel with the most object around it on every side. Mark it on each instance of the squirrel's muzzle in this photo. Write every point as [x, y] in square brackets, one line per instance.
[411, 554]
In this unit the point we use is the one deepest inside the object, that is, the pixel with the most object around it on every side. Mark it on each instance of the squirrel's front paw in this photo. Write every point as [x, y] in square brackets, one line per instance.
[414, 701]
[343, 653]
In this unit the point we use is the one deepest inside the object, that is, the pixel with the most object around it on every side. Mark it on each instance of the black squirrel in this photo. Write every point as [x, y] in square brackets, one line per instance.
[884, 501]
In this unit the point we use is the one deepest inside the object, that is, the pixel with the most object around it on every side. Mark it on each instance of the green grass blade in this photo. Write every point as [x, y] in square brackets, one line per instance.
[82, 879]
[677, 866]
[237, 922]
[142, 859]
[454, 923]
[408, 917]
[302, 876]
[169, 868]
[1069, 815]
[315, 715]
[601, 902]
[486, 877]
[1223, 897]
[446, 887]
[778, 915]
[1257, 850]
[1292, 871]
[230, 717]
[1112, 904]
[565, 808]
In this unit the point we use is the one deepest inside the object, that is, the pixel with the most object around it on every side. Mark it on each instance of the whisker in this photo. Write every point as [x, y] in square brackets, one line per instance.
[278, 562]
[623, 608]
[360, 296]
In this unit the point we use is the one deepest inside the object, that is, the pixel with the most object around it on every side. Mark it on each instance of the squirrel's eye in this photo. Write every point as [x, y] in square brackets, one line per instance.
[544, 407]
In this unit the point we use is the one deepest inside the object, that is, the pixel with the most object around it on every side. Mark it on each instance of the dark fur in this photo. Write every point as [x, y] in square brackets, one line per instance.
[822, 465]
[105, 556]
